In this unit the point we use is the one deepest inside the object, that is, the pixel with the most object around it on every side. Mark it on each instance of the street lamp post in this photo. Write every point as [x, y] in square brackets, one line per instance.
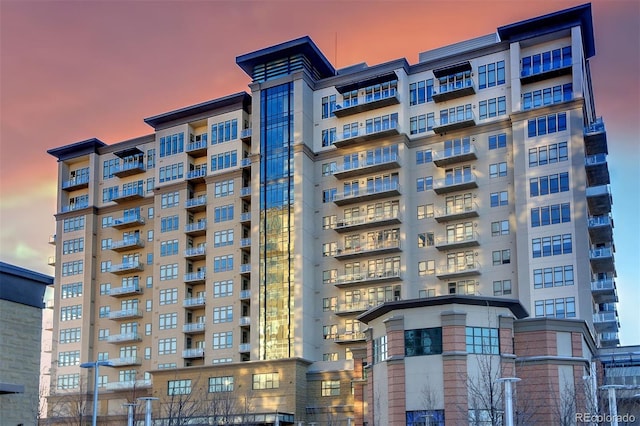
[96, 367]
[613, 402]
[147, 411]
[508, 398]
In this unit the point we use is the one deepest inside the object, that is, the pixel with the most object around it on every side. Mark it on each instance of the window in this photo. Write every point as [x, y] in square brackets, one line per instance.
[330, 387]
[426, 267]
[168, 321]
[68, 381]
[418, 124]
[224, 131]
[105, 289]
[331, 356]
[221, 384]
[266, 381]
[456, 115]
[328, 195]
[179, 387]
[103, 311]
[556, 276]
[499, 228]
[170, 145]
[75, 267]
[491, 75]
[462, 287]
[380, 349]
[223, 340]
[547, 96]
[224, 160]
[421, 92]
[551, 215]
[329, 222]
[223, 238]
[68, 313]
[502, 288]
[551, 246]
[73, 224]
[548, 154]
[103, 334]
[329, 168]
[546, 124]
[168, 248]
[328, 106]
[222, 314]
[223, 188]
[167, 346]
[222, 288]
[69, 335]
[168, 272]
[424, 183]
[492, 107]
[168, 296]
[109, 167]
[329, 249]
[551, 184]
[424, 156]
[482, 340]
[499, 198]
[330, 276]
[425, 211]
[223, 213]
[546, 61]
[330, 332]
[498, 141]
[169, 223]
[171, 172]
[223, 263]
[501, 257]
[497, 170]
[424, 341]
[75, 245]
[426, 239]
[66, 359]
[329, 304]
[328, 136]
[556, 308]
[171, 199]
[70, 290]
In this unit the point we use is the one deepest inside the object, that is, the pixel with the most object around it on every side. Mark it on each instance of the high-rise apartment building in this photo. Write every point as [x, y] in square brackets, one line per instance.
[233, 249]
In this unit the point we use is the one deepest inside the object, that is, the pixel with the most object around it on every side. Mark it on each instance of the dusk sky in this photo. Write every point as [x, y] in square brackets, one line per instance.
[73, 70]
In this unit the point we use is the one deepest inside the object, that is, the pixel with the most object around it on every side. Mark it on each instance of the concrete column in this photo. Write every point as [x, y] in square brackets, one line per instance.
[454, 367]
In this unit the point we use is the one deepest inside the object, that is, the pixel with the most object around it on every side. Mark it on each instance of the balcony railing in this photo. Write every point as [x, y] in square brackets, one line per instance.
[195, 202]
[193, 327]
[245, 294]
[453, 90]
[76, 183]
[195, 276]
[350, 337]
[453, 155]
[458, 120]
[194, 302]
[200, 172]
[600, 253]
[127, 221]
[245, 321]
[198, 226]
[455, 183]
[457, 212]
[458, 270]
[457, 241]
[195, 251]
[354, 307]
[128, 169]
[125, 291]
[73, 207]
[127, 244]
[245, 191]
[124, 337]
[245, 268]
[245, 217]
[244, 347]
[360, 222]
[123, 268]
[359, 135]
[245, 162]
[377, 276]
[128, 194]
[51, 261]
[365, 194]
[125, 313]
[196, 146]
[52, 239]
[245, 134]
[128, 384]
[368, 102]
[245, 242]
[365, 249]
[193, 353]
[367, 165]
[125, 360]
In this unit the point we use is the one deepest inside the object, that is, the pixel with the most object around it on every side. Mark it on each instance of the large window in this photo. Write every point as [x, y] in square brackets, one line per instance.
[491, 75]
[224, 131]
[171, 172]
[170, 145]
[556, 276]
[380, 349]
[548, 154]
[68, 313]
[223, 340]
[492, 107]
[546, 61]
[547, 124]
[556, 308]
[170, 199]
[221, 384]
[168, 321]
[547, 96]
[497, 141]
[179, 387]
[223, 188]
[222, 288]
[167, 346]
[222, 314]
[223, 213]
[224, 160]
[169, 223]
[499, 198]
[266, 381]
[69, 335]
[328, 106]
[70, 290]
[482, 340]
[73, 224]
[168, 296]
[223, 263]
[68, 381]
[550, 215]
[330, 387]
[551, 246]
[421, 92]
[551, 184]
[328, 136]
[423, 341]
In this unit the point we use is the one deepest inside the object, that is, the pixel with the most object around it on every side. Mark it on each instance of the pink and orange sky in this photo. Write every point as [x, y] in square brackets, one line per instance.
[72, 70]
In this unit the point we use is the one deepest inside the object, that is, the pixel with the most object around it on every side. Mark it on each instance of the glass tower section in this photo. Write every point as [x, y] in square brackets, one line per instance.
[276, 223]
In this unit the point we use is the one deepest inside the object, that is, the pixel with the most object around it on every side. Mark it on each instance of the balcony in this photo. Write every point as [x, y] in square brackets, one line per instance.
[245, 294]
[245, 243]
[195, 253]
[601, 260]
[356, 307]
[455, 183]
[128, 221]
[368, 166]
[126, 268]
[79, 182]
[450, 213]
[604, 291]
[245, 192]
[197, 148]
[359, 136]
[196, 228]
[606, 321]
[595, 138]
[125, 291]
[597, 170]
[52, 239]
[128, 169]
[600, 229]
[128, 384]
[74, 207]
[457, 242]
[128, 195]
[193, 353]
[244, 347]
[197, 175]
[125, 314]
[245, 268]
[457, 154]
[447, 272]
[374, 192]
[196, 204]
[454, 122]
[366, 103]
[609, 339]
[350, 337]
[454, 90]
[124, 338]
[125, 360]
[599, 200]
[195, 277]
[245, 321]
[245, 217]
[358, 223]
[375, 249]
[245, 134]
[359, 279]
[51, 261]
[127, 244]
[193, 328]
[194, 302]
[535, 74]
[245, 162]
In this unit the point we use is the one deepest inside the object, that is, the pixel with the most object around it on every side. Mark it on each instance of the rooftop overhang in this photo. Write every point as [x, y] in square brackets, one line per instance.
[452, 69]
[371, 81]
[552, 22]
[8, 388]
[77, 149]
[198, 111]
[303, 45]
[512, 304]
[128, 152]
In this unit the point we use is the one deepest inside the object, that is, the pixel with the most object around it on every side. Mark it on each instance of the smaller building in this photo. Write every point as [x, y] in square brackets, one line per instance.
[439, 361]
[21, 303]
[621, 370]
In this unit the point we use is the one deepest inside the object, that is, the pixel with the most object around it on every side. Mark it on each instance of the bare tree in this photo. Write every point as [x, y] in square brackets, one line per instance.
[71, 407]
[485, 392]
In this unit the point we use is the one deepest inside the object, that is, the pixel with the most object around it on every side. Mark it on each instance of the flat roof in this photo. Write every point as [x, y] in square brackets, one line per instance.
[20, 285]
[77, 149]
